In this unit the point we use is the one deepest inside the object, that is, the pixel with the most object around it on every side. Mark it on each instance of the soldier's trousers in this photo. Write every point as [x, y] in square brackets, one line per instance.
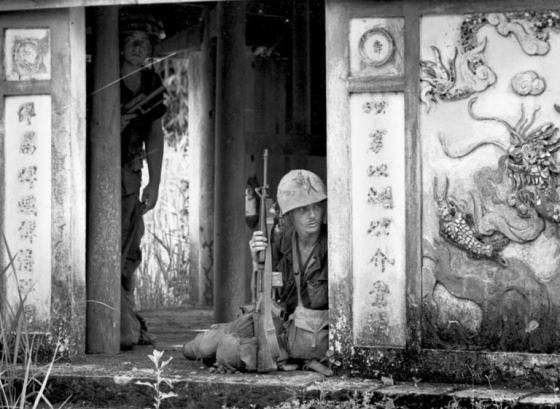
[131, 322]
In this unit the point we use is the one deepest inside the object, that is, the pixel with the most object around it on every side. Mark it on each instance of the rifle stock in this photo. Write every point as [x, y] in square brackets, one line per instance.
[265, 331]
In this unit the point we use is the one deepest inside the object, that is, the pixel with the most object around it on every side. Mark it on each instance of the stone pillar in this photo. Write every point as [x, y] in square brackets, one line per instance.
[104, 201]
[201, 156]
[206, 131]
[229, 217]
[195, 175]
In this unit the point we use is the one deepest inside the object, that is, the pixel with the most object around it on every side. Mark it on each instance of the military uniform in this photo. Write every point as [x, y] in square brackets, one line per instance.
[133, 138]
[314, 284]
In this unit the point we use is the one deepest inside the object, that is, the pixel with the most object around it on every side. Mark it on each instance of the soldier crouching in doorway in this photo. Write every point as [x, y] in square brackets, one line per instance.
[301, 265]
[300, 271]
[141, 138]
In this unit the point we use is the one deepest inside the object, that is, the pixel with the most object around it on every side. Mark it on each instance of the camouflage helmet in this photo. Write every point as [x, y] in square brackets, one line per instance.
[132, 20]
[299, 188]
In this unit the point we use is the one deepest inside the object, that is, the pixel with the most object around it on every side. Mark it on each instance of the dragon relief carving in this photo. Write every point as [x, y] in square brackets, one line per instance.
[458, 228]
[509, 218]
[467, 71]
[530, 161]
[465, 74]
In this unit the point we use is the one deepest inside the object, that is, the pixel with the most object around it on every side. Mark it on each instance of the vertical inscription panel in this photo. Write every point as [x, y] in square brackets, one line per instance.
[27, 208]
[378, 200]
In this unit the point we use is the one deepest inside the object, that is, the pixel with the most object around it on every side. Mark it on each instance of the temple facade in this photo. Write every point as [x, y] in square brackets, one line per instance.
[433, 123]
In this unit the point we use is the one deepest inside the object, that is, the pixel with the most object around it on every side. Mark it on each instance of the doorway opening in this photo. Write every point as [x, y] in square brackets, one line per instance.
[284, 111]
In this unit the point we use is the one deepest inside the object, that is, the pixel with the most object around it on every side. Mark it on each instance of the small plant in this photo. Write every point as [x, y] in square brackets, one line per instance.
[22, 381]
[160, 364]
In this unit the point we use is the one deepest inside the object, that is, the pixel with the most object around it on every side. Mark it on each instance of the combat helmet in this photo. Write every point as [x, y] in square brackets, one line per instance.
[299, 188]
[132, 20]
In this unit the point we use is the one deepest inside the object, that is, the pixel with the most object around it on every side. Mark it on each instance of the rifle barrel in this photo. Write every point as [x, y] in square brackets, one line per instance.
[264, 193]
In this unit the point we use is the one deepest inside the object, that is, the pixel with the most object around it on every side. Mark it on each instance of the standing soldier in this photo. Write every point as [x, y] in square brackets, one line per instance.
[141, 138]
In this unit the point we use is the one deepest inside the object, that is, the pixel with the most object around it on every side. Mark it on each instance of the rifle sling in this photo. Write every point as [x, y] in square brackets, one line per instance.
[296, 262]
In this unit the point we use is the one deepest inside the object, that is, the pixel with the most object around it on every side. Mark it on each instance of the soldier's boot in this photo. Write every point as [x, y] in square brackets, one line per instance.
[318, 367]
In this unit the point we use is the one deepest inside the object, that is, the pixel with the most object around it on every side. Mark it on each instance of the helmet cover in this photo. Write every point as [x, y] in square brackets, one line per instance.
[299, 188]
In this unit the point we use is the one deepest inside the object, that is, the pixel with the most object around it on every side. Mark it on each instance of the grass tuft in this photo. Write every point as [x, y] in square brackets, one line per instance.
[22, 380]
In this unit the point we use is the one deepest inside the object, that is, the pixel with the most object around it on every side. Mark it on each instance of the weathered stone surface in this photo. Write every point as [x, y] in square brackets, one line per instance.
[108, 381]
[335, 384]
[418, 395]
[494, 395]
[541, 399]
[418, 389]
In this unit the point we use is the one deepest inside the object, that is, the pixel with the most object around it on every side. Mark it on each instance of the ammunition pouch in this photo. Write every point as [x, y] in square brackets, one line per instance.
[307, 333]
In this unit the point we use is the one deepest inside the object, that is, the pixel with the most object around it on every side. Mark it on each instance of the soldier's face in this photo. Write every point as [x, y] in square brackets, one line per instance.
[308, 219]
[137, 48]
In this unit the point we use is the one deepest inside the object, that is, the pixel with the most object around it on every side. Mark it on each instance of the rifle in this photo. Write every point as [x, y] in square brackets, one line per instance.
[265, 331]
[143, 103]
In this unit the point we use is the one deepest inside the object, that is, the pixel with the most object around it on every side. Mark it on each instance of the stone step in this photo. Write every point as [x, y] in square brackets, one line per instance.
[112, 383]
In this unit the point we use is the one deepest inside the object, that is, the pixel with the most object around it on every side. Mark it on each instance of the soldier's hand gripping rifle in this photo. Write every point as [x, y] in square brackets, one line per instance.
[265, 332]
